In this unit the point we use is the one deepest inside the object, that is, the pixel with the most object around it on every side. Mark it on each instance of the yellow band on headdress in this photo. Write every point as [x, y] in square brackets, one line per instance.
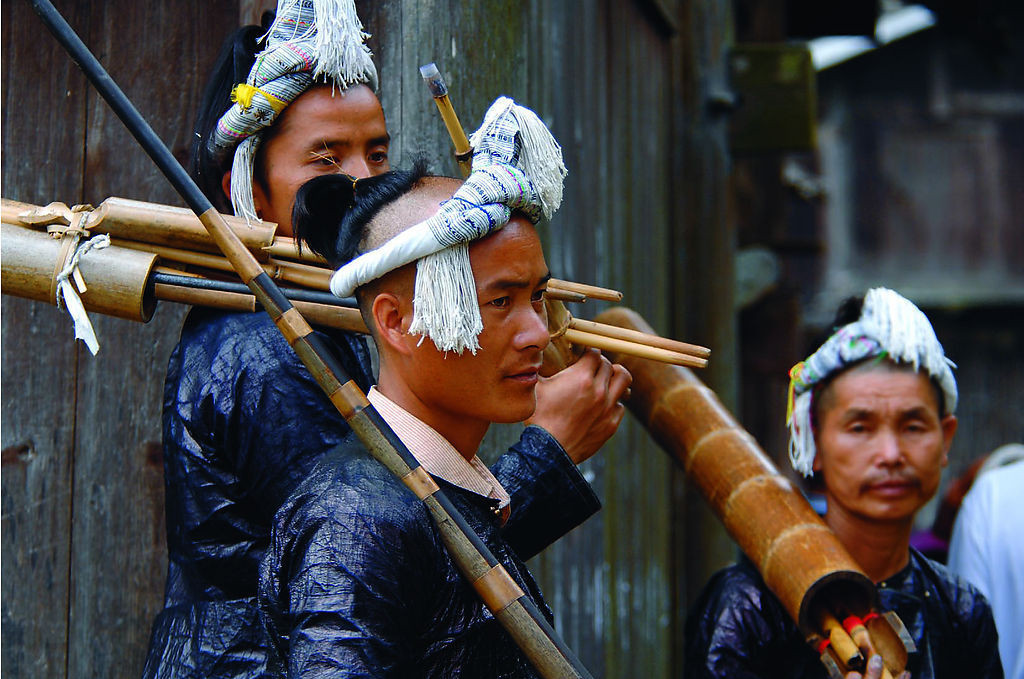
[794, 373]
[242, 94]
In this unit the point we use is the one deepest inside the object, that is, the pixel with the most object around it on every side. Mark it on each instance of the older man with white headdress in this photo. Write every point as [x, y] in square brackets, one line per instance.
[871, 421]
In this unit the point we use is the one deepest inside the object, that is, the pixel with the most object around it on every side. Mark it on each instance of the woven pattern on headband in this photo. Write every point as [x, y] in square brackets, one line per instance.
[889, 325]
[517, 165]
[308, 39]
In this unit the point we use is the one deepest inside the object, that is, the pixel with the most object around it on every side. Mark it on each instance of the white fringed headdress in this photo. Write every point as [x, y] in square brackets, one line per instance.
[517, 165]
[890, 326]
[309, 39]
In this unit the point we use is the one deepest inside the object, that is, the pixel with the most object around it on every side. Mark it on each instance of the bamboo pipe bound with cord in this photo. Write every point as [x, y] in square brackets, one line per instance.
[510, 606]
[439, 91]
[116, 277]
[143, 222]
[800, 559]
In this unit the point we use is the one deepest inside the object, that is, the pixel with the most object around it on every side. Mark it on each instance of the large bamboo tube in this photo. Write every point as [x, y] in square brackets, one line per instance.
[115, 277]
[799, 557]
[154, 223]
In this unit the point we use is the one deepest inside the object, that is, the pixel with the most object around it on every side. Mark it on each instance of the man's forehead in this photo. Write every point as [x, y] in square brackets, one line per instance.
[883, 384]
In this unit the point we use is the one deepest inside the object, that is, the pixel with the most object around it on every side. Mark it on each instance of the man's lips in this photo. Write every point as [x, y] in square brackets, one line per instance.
[527, 374]
[892, 487]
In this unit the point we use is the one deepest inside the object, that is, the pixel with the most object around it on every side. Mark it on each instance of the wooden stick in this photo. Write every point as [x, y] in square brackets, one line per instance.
[632, 349]
[639, 337]
[591, 291]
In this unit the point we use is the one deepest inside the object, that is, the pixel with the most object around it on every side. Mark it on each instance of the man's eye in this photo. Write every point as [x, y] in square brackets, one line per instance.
[538, 296]
[501, 302]
[378, 157]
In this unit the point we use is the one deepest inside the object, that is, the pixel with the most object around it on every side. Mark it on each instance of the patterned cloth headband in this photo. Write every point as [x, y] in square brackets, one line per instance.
[308, 39]
[517, 165]
[891, 326]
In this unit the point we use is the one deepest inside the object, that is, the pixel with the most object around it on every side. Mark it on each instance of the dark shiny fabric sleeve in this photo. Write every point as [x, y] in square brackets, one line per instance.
[733, 631]
[549, 496]
[350, 585]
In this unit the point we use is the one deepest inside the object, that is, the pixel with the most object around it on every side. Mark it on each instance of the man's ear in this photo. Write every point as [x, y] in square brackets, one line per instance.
[258, 198]
[949, 424]
[392, 324]
[225, 185]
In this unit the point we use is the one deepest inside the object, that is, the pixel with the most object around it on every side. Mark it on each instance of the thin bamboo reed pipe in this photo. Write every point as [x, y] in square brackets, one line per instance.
[439, 91]
[340, 318]
[590, 291]
[639, 337]
[636, 349]
[293, 272]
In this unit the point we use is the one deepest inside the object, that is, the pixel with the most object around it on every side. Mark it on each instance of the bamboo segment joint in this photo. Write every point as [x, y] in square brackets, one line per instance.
[420, 483]
[497, 588]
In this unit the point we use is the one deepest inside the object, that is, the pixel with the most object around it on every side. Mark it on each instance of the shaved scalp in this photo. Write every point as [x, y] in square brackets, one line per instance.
[420, 203]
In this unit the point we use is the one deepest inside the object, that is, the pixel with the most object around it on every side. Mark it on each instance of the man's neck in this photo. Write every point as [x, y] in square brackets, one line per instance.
[881, 549]
[465, 436]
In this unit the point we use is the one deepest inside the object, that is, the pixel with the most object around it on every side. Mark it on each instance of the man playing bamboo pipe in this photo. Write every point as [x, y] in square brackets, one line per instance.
[358, 583]
[872, 420]
[243, 419]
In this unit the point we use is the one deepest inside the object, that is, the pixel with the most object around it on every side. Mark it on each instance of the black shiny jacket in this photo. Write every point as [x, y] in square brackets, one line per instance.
[358, 583]
[244, 423]
[738, 629]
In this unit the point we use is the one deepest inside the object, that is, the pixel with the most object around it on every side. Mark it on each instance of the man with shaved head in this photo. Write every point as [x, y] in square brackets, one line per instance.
[357, 581]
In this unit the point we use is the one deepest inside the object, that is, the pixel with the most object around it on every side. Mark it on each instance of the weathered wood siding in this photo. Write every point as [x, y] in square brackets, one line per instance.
[622, 84]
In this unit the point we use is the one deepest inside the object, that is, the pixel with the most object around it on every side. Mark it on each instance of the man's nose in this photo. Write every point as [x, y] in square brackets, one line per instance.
[889, 451]
[356, 166]
[534, 329]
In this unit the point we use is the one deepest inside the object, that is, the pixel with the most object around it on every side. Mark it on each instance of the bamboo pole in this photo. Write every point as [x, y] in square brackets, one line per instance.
[639, 337]
[510, 606]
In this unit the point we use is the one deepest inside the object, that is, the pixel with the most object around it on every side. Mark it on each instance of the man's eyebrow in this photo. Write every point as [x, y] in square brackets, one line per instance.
[517, 283]
[322, 145]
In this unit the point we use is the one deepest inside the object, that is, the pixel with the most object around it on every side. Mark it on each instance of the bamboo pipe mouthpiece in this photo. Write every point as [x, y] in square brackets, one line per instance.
[846, 650]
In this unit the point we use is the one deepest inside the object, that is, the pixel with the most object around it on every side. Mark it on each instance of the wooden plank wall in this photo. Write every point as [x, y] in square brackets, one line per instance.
[83, 526]
[83, 557]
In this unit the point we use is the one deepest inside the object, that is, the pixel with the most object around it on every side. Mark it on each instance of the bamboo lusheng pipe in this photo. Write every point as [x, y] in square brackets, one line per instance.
[589, 291]
[800, 559]
[639, 337]
[301, 274]
[143, 222]
[116, 277]
[513, 609]
[439, 91]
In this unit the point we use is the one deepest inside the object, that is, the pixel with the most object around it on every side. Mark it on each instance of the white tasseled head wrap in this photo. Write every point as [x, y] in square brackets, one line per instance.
[889, 325]
[309, 39]
[517, 165]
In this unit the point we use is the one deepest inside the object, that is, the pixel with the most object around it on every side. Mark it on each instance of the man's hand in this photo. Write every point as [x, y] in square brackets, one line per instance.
[874, 670]
[580, 405]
